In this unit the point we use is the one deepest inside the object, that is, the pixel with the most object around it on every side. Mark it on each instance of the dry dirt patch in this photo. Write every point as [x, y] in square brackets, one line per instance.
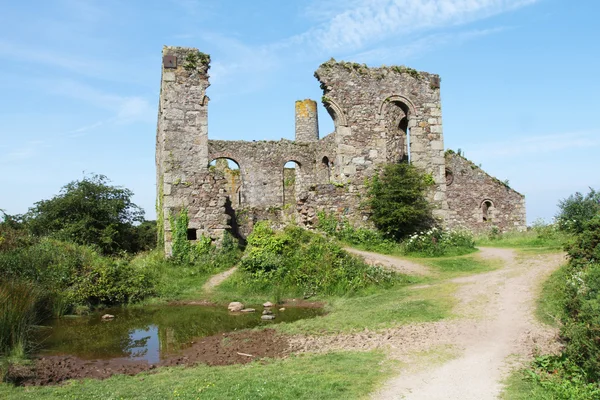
[394, 263]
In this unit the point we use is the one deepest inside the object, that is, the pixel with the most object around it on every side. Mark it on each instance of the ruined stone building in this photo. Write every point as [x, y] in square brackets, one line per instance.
[381, 115]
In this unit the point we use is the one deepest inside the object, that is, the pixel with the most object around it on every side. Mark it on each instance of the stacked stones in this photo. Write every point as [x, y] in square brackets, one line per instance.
[267, 312]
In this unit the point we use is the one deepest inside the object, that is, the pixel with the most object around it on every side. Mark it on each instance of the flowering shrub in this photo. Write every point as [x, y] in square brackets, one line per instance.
[438, 242]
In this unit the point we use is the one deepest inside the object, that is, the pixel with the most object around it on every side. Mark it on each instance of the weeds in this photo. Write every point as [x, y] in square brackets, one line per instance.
[19, 312]
[298, 262]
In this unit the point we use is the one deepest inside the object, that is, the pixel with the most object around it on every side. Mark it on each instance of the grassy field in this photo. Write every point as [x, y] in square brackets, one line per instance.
[530, 241]
[347, 375]
[380, 310]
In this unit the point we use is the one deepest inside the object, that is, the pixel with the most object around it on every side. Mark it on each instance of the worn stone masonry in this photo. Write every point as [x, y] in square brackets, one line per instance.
[479, 201]
[376, 113]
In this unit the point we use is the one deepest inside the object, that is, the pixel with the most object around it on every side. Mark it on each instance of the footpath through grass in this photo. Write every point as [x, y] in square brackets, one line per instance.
[451, 267]
[347, 375]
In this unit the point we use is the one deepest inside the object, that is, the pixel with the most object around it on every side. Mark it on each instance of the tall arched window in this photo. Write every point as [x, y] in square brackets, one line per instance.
[291, 179]
[231, 170]
[324, 170]
[486, 210]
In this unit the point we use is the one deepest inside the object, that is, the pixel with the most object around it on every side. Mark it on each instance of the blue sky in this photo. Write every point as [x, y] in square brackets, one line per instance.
[80, 82]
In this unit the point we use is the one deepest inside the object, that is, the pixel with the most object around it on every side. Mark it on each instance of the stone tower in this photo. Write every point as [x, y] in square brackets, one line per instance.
[307, 121]
[182, 129]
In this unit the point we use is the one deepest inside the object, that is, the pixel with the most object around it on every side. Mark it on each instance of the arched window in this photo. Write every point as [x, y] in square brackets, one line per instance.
[231, 170]
[396, 114]
[234, 190]
[324, 172]
[486, 210]
[291, 179]
[449, 177]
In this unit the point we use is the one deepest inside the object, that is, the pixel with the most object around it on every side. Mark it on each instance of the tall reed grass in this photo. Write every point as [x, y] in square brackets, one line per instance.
[18, 314]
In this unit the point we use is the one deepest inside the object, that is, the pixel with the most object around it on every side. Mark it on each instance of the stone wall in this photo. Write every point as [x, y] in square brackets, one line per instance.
[376, 112]
[479, 201]
[374, 109]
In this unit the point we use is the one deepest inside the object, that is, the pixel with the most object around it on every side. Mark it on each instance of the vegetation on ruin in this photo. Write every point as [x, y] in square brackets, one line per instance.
[195, 58]
[397, 201]
[433, 242]
[402, 217]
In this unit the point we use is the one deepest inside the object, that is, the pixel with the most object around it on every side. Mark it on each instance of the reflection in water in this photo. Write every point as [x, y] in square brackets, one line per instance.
[144, 344]
[149, 333]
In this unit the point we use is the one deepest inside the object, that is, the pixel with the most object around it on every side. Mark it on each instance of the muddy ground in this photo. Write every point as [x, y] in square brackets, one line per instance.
[222, 349]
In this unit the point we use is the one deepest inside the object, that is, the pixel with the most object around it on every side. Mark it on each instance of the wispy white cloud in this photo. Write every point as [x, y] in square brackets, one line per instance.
[13, 51]
[84, 130]
[127, 109]
[535, 145]
[27, 151]
[420, 46]
[371, 21]
[239, 62]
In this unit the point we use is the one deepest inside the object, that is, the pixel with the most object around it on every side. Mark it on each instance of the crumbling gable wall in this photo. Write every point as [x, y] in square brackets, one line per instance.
[479, 201]
[374, 109]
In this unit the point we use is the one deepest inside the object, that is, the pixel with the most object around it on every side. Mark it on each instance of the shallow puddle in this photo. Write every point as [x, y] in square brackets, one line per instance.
[150, 333]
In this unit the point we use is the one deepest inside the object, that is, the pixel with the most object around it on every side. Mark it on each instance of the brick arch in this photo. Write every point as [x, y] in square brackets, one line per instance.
[225, 154]
[336, 113]
[401, 99]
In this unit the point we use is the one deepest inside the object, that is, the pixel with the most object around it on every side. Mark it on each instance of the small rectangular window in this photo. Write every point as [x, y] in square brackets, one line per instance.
[192, 234]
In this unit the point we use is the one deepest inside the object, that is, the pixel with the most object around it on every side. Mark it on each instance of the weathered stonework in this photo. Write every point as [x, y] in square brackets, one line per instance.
[479, 201]
[373, 110]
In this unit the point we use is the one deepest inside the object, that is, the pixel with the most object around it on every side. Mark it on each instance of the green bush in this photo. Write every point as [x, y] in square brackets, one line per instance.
[110, 282]
[397, 201]
[13, 233]
[437, 242]
[89, 212]
[580, 329]
[431, 243]
[576, 210]
[363, 238]
[299, 261]
[561, 379]
[73, 274]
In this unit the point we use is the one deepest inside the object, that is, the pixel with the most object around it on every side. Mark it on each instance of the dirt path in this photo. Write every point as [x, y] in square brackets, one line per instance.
[468, 356]
[395, 263]
[217, 279]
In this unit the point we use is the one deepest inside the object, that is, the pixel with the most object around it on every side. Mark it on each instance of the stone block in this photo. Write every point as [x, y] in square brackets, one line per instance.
[169, 77]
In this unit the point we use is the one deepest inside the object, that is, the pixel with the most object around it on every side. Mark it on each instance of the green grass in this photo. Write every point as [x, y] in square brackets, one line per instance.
[179, 282]
[450, 267]
[519, 386]
[531, 241]
[347, 375]
[383, 309]
[550, 303]
[522, 385]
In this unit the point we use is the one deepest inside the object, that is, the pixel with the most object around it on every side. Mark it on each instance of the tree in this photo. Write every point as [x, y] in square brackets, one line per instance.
[397, 201]
[576, 210]
[89, 212]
